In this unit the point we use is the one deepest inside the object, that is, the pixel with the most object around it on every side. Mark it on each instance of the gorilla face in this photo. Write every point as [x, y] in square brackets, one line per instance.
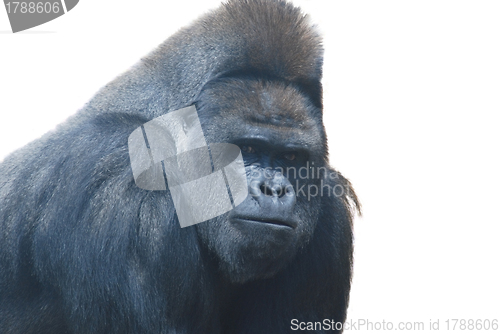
[272, 123]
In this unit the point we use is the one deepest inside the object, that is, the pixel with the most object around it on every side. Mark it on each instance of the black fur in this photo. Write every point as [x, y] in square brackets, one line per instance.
[84, 250]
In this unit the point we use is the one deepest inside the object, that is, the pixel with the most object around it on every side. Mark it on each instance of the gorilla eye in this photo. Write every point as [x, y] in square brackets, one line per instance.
[248, 149]
[290, 156]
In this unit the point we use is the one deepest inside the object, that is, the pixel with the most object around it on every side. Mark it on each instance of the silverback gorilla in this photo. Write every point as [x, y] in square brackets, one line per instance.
[83, 249]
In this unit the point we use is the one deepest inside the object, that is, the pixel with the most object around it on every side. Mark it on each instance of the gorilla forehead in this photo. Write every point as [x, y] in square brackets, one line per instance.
[278, 111]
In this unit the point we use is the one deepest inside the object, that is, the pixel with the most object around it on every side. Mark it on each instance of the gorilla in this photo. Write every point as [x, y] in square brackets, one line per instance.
[83, 249]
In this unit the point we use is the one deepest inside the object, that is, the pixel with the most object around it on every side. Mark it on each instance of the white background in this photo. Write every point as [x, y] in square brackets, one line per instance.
[412, 99]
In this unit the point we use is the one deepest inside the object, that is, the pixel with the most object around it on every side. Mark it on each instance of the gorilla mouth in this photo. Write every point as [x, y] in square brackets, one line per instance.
[268, 221]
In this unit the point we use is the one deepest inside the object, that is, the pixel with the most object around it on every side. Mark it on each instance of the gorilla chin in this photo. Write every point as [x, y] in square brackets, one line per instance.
[266, 245]
[259, 244]
[259, 249]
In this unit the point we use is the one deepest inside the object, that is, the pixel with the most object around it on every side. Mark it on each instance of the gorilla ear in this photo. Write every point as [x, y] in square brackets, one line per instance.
[350, 198]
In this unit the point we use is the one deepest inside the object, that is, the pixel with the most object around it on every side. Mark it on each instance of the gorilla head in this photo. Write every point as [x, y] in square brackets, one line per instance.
[275, 126]
[83, 249]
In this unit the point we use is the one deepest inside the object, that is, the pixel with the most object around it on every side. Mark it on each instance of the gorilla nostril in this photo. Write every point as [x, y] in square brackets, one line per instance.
[280, 191]
[266, 190]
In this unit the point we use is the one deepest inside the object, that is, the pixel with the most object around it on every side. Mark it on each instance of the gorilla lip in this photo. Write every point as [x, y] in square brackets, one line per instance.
[272, 222]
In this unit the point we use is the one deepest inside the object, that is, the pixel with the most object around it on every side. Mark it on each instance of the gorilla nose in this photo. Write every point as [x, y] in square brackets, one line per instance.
[272, 187]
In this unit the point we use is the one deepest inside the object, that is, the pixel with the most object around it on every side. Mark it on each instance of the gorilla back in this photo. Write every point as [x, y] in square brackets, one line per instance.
[83, 249]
